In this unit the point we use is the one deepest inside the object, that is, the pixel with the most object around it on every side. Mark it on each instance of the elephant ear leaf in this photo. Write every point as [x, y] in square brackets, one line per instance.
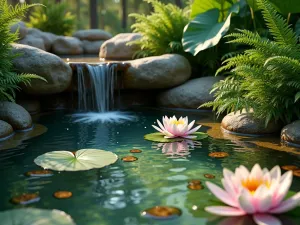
[205, 31]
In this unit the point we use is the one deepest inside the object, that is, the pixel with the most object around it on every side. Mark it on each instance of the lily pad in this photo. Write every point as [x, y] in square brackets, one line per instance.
[35, 216]
[159, 137]
[84, 159]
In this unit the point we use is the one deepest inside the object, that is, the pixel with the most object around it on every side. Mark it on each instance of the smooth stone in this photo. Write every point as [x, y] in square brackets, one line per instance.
[91, 47]
[157, 72]
[33, 41]
[67, 46]
[22, 29]
[32, 106]
[15, 115]
[117, 48]
[47, 37]
[291, 133]
[244, 123]
[92, 35]
[6, 130]
[32, 60]
[189, 95]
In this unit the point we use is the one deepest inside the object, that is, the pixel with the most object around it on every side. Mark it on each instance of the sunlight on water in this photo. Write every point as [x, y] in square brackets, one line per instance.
[105, 117]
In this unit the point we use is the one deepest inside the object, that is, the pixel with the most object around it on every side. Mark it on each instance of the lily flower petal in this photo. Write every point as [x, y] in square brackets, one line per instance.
[287, 205]
[224, 211]
[265, 219]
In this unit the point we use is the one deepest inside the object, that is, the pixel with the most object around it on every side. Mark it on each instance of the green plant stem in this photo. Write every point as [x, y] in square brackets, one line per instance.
[288, 18]
[253, 18]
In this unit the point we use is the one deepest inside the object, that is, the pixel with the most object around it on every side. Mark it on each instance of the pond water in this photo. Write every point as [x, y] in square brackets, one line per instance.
[117, 194]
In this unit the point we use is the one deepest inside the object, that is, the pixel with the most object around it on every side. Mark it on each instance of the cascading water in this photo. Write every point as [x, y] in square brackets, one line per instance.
[95, 89]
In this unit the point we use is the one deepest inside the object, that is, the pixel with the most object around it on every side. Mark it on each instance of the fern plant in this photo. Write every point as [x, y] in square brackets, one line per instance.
[161, 31]
[9, 80]
[265, 77]
[53, 18]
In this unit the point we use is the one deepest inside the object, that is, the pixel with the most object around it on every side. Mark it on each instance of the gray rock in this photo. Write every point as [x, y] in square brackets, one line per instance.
[291, 133]
[117, 47]
[92, 35]
[32, 106]
[5, 129]
[91, 47]
[22, 29]
[191, 94]
[47, 37]
[156, 72]
[67, 46]
[51, 67]
[243, 122]
[15, 115]
[33, 41]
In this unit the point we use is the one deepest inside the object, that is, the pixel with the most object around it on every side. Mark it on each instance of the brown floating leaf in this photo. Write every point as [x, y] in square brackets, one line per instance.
[135, 151]
[26, 198]
[162, 212]
[195, 182]
[218, 154]
[195, 186]
[289, 167]
[39, 173]
[62, 194]
[129, 158]
[296, 173]
[209, 176]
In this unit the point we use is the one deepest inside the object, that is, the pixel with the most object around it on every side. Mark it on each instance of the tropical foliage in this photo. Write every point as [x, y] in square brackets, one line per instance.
[161, 31]
[54, 18]
[9, 79]
[265, 77]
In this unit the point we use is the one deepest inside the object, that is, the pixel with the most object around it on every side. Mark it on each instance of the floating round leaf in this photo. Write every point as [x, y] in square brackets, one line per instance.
[129, 159]
[39, 173]
[289, 167]
[28, 216]
[218, 154]
[296, 173]
[62, 194]
[162, 212]
[195, 182]
[209, 176]
[195, 186]
[26, 198]
[135, 151]
[159, 137]
[84, 159]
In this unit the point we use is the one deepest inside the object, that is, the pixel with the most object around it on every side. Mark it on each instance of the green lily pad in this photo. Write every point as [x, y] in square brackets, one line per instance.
[84, 159]
[35, 216]
[159, 137]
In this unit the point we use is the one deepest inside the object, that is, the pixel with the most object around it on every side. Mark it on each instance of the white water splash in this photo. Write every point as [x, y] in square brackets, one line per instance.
[104, 117]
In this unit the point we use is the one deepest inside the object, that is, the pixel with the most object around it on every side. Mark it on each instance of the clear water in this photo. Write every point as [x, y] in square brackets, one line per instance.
[117, 194]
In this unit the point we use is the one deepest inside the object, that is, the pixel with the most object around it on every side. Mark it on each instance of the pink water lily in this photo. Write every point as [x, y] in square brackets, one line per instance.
[173, 128]
[258, 192]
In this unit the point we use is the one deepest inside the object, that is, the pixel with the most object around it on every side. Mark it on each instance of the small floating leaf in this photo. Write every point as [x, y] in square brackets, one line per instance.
[159, 137]
[209, 176]
[28, 216]
[195, 186]
[296, 173]
[39, 173]
[129, 159]
[84, 159]
[62, 194]
[135, 151]
[218, 154]
[289, 167]
[26, 198]
[195, 182]
[162, 212]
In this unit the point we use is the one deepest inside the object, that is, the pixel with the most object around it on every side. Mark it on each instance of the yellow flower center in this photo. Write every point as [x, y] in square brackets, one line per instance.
[253, 184]
[177, 122]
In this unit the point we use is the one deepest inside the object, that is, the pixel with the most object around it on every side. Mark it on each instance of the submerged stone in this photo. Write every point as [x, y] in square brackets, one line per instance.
[209, 176]
[129, 158]
[135, 151]
[162, 212]
[62, 194]
[289, 167]
[218, 154]
[39, 173]
[26, 198]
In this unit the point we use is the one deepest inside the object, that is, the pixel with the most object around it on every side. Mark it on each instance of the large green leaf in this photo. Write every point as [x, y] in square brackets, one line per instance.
[287, 6]
[159, 137]
[204, 31]
[84, 159]
[297, 28]
[32, 216]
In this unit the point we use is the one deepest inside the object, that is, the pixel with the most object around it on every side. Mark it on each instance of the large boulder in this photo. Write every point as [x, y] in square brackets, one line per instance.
[67, 46]
[6, 129]
[191, 94]
[21, 27]
[33, 41]
[91, 47]
[291, 133]
[244, 123]
[15, 115]
[47, 37]
[92, 35]
[32, 60]
[32, 106]
[118, 48]
[156, 72]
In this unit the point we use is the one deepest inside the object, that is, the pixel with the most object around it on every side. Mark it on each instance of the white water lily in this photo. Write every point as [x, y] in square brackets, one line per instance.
[173, 128]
